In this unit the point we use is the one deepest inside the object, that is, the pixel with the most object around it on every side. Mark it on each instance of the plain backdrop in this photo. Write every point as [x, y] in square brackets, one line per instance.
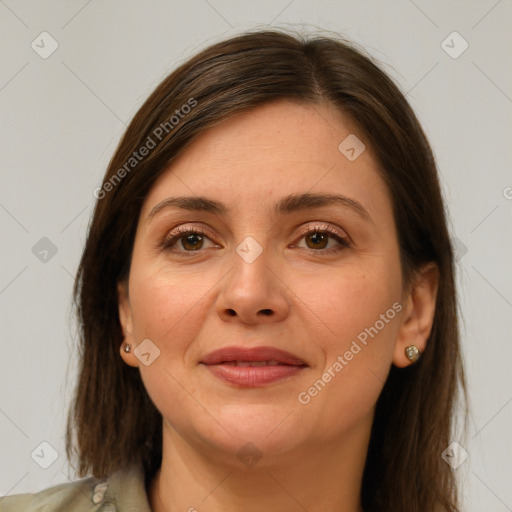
[63, 115]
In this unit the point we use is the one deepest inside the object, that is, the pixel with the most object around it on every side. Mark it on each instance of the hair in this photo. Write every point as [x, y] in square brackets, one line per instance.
[112, 421]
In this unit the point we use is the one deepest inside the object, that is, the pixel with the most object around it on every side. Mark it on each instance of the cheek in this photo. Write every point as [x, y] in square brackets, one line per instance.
[357, 323]
[169, 312]
[343, 304]
[166, 308]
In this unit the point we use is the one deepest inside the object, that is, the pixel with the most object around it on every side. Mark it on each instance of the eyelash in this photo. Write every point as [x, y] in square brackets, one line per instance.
[180, 232]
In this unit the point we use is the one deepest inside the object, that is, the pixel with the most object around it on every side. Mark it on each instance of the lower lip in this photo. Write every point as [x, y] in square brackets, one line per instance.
[253, 376]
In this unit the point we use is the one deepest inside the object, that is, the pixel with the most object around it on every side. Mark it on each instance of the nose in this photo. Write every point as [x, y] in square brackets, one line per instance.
[253, 292]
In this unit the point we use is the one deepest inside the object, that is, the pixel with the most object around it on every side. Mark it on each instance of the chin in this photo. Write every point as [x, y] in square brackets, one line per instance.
[254, 430]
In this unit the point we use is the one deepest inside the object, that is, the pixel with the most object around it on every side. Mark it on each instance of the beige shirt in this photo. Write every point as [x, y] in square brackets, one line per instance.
[124, 491]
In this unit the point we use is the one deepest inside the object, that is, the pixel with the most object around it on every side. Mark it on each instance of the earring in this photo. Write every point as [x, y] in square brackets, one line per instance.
[127, 348]
[412, 353]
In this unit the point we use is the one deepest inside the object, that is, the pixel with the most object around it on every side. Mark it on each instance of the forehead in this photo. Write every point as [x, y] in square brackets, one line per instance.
[271, 151]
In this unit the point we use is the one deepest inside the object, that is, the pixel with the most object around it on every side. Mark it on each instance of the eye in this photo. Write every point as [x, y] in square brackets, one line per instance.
[192, 239]
[188, 239]
[317, 239]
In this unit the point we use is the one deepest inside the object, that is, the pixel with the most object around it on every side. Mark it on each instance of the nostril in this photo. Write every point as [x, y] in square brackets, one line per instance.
[231, 312]
[266, 311]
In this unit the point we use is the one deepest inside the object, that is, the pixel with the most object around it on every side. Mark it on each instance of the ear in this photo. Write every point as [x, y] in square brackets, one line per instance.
[126, 320]
[418, 316]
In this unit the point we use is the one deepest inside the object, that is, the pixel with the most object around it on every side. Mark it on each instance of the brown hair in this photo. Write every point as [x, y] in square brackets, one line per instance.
[112, 417]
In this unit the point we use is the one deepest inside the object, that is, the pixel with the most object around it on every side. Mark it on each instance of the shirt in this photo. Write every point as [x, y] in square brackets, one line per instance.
[124, 491]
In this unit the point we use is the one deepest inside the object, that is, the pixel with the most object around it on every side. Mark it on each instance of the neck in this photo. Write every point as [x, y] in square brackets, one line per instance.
[324, 476]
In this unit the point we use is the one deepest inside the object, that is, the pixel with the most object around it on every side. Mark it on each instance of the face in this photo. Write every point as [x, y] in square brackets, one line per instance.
[260, 265]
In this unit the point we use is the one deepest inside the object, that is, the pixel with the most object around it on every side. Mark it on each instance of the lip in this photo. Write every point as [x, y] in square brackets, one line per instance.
[234, 353]
[222, 364]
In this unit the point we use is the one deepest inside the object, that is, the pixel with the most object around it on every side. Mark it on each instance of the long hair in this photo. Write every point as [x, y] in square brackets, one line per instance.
[112, 421]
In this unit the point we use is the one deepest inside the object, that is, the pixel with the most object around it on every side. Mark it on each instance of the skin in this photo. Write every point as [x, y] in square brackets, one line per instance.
[190, 303]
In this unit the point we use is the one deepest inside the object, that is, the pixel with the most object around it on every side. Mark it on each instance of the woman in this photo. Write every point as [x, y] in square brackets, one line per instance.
[266, 296]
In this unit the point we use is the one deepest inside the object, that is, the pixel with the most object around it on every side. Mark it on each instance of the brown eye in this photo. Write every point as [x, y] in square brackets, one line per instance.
[186, 240]
[317, 240]
[192, 241]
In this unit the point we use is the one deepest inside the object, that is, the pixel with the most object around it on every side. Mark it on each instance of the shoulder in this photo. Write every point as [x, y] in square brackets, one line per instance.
[124, 490]
[73, 496]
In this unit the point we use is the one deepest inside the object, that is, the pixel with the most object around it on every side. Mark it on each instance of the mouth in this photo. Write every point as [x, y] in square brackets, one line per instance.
[253, 367]
[272, 362]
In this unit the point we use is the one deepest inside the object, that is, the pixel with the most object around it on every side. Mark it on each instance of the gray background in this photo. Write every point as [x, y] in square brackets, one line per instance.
[62, 117]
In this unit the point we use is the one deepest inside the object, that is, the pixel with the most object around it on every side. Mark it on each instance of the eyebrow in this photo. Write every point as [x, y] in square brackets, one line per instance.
[288, 204]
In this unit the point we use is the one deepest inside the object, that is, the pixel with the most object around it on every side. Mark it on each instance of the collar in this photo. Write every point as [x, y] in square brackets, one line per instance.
[124, 491]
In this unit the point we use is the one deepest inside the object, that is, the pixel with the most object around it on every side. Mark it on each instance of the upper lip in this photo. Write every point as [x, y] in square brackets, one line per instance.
[234, 353]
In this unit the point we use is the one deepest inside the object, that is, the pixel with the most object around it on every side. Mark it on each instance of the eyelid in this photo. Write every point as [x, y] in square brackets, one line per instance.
[174, 235]
[324, 228]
